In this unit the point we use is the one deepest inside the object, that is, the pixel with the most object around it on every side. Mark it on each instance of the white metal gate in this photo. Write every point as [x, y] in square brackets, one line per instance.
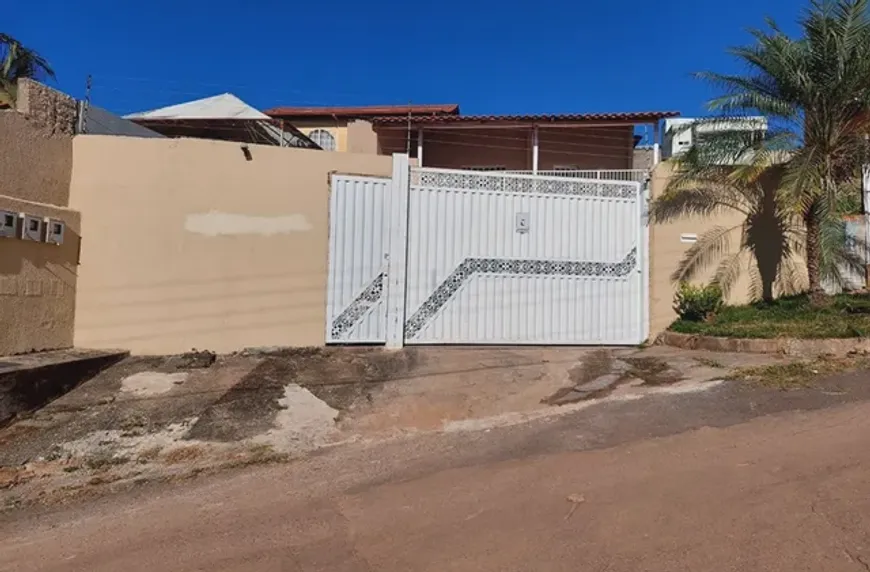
[358, 243]
[496, 258]
[438, 256]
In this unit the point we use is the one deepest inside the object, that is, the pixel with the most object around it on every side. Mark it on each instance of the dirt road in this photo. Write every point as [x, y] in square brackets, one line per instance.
[786, 492]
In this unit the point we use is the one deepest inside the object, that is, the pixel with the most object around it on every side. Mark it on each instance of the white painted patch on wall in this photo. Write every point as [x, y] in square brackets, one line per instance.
[216, 223]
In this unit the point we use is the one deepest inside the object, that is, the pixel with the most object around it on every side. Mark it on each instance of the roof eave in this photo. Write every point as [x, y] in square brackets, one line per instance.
[592, 120]
[364, 112]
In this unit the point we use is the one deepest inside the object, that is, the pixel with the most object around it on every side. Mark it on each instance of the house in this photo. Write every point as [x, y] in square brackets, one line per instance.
[683, 132]
[224, 117]
[440, 136]
[344, 128]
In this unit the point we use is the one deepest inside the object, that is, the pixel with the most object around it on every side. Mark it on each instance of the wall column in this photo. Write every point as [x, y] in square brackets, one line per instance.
[398, 253]
[419, 146]
[535, 150]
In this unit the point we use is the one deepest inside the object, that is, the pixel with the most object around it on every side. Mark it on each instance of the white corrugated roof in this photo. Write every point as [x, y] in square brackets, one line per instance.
[224, 106]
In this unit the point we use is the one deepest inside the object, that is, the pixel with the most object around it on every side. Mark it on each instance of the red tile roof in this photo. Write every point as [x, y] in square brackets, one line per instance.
[637, 117]
[366, 111]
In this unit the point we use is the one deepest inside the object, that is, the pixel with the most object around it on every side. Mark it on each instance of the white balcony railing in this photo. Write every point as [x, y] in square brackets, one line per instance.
[637, 175]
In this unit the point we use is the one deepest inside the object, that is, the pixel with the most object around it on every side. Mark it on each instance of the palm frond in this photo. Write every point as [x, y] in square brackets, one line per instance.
[728, 272]
[791, 278]
[19, 62]
[756, 284]
[687, 202]
[709, 248]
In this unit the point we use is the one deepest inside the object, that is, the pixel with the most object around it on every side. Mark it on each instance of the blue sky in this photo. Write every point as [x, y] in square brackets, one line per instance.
[490, 57]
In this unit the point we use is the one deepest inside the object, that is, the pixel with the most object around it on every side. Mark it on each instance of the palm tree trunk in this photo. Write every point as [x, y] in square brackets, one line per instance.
[767, 289]
[814, 253]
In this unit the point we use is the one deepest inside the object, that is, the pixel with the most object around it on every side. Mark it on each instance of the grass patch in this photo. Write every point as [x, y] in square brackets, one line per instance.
[845, 316]
[798, 374]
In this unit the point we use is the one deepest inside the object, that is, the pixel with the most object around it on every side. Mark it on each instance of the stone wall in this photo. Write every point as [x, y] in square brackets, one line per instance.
[47, 108]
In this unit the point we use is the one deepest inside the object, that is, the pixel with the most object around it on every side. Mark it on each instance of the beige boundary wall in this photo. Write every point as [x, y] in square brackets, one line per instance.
[190, 245]
[667, 249]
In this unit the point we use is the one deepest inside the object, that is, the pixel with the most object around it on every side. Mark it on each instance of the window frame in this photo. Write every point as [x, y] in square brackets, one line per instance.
[311, 135]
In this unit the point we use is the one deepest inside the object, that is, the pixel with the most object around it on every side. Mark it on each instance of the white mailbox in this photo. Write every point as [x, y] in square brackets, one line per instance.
[8, 224]
[33, 228]
[54, 230]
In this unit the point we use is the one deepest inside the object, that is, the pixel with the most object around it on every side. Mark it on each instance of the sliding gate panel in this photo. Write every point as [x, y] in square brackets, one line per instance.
[498, 258]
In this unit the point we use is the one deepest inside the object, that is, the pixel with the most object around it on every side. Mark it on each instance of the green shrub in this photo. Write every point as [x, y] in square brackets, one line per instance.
[697, 303]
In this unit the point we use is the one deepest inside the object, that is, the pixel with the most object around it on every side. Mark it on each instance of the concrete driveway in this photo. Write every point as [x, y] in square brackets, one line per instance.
[588, 491]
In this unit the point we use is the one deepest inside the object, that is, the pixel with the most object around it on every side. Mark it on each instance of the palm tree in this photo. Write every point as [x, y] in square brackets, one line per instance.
[763, 235]
[16, 62]
[815, 91]
[769, 241]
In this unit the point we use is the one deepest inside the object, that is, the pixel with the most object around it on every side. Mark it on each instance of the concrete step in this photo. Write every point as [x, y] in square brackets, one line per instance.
[30, 381]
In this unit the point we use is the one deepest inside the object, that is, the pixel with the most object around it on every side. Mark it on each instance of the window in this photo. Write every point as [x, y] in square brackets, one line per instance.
[323, 138]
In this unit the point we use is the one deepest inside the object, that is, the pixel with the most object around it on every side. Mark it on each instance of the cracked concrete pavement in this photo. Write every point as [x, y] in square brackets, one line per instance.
[736, 478]
[159, 418]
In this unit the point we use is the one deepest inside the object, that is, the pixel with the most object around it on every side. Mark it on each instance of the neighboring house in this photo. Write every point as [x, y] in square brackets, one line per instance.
[439, 136]
[684, 132]
[224, 117]
[344, 128]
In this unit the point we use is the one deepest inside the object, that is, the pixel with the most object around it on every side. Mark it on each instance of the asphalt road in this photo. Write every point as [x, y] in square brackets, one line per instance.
[786, 492]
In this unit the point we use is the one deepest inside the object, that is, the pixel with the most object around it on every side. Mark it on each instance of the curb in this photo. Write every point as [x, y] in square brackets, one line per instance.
[786, 346]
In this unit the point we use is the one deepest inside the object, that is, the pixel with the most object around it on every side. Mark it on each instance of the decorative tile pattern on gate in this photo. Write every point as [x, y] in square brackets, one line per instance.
[345, 322]
[518, 267]
[511, 183]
